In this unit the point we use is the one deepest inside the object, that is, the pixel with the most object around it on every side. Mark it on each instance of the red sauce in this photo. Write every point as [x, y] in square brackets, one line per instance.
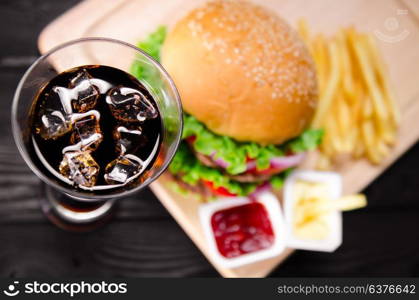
[242, 229]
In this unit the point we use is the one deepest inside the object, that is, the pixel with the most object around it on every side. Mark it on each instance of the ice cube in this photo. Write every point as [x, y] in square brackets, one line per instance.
[129, 140]
[130, 105]
[53, 124]
[84, 94]
[53, 118]
[123, 169]
[80, 167]
[52, 101]
[86, 131]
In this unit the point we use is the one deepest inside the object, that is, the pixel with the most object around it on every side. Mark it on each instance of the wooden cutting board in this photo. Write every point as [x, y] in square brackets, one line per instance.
[132, 20]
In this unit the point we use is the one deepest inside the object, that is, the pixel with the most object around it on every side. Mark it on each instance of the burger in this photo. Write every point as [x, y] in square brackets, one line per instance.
[248, 89]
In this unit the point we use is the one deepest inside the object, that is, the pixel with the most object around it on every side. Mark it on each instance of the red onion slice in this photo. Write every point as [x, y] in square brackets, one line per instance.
[280, 162]
[285, 162]
[266, 186]
[219, 161]
[251, 165]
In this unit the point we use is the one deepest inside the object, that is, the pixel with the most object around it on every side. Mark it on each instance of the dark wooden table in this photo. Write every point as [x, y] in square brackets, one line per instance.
[143, 239]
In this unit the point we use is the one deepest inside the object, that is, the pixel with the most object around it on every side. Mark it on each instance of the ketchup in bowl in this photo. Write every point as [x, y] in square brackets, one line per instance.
[242, 229]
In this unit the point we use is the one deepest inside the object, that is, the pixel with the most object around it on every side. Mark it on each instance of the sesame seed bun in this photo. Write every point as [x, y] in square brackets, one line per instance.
[242, 71]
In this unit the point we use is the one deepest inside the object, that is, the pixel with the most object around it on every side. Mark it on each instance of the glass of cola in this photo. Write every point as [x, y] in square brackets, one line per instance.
[91, 131]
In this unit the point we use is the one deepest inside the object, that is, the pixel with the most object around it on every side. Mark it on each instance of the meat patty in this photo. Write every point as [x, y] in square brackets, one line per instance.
[250, 177]
[205, 160]
[199, 188]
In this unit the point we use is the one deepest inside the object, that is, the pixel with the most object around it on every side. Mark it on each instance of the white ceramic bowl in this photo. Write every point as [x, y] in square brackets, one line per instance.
[334, 219]
[273, 209]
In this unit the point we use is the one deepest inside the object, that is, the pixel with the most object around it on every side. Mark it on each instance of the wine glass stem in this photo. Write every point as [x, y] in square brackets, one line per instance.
[75, 214]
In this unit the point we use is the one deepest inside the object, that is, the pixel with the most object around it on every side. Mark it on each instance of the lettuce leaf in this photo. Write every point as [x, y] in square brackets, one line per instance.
[235, 153]
[308, 140]
[191, 171]
[151, 45]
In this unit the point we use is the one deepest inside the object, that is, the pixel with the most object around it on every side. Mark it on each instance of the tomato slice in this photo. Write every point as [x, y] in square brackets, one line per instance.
[191, 139]
[220, 191]
[268, 171]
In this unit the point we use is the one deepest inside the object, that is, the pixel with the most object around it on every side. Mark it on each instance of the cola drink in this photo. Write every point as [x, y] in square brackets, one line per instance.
[95, 128]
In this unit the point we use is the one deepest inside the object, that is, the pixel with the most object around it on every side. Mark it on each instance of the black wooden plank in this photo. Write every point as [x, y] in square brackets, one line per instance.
[120, 249]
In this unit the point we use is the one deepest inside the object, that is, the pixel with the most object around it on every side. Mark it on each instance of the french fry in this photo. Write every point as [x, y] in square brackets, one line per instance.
[303, 30]
[346, 70]
[359, 149]
[344, 203]
[323, 162]
[369, 142]
[368, 76]
[351, 139]
[357, 106]
[331, 87]
[332, 131]
[322, 60]
[386, 131]
[326, 146]
[379, 66]
[382, 149]
[367, 112]
[344, 121]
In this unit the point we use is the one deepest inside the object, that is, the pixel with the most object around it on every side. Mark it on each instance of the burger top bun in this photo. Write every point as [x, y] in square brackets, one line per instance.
[242, 71]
